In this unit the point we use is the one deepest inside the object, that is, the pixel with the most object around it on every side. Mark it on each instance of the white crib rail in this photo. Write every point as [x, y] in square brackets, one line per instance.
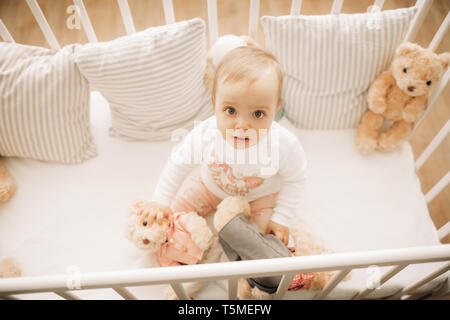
[126, 16]
[254, 18]
[337, 6]
[4, 33]
[118, 281]
[169, 14]
[296, 6]
[423, 8]
[87, 25]
[43, 24]
[212, 21]
[175, 276]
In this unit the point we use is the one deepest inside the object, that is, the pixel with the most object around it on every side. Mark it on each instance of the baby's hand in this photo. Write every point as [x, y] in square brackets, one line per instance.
[152, 211]
[279, 231]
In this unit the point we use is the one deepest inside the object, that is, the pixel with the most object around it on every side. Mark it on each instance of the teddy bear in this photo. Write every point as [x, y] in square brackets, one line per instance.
[8, 266]
[399, 95]
[241, 240]
[177, 239]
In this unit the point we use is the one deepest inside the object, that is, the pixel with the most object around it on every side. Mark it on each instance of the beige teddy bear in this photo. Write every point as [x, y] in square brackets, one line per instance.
[399, 95]
[177, 239]
[232, 213]
[8, 266]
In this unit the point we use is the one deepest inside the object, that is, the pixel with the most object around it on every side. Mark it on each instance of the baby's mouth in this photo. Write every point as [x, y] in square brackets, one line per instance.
[241, 139]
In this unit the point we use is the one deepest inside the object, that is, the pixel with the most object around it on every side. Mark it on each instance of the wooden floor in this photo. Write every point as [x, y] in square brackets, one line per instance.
[233, 18]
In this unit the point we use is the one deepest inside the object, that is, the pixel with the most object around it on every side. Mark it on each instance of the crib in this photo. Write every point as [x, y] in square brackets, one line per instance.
[418, 268]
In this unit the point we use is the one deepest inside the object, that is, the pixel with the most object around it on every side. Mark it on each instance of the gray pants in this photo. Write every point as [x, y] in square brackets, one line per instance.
[241, 240]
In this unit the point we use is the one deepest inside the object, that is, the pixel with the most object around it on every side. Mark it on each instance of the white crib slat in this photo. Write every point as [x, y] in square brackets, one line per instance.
[43, 24]
[67, 295]
[440, 33]
[6, 36]
[337, 6]
[232, 289]
[179, 291]
[434, 96]
[125, 293]
[444, 231]
[333, 282]
[437, 188]
[416, 23]
[286, 280]
[422, 282]
[388, 275]
[126, 16]
[87, 25]
[169, 14]
[433, 145]
[212, 21]
[296, 7]
[253, 18]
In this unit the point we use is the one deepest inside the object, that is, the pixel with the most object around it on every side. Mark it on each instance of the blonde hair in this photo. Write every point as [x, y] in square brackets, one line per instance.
[246, 63]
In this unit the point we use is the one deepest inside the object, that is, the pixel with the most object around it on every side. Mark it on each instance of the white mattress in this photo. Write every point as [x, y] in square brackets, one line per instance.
[65, 216]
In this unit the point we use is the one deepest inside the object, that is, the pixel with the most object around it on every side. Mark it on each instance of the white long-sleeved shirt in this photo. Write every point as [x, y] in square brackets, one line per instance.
[276, 164]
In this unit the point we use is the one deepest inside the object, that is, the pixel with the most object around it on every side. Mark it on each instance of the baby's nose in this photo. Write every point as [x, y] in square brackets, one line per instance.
[242, 124]
[411, 88]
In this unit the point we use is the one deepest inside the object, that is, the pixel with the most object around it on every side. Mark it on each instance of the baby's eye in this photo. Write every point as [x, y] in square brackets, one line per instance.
[258, 114]
[405, 70]
[144, 223]
[428, 83]
[230, 111]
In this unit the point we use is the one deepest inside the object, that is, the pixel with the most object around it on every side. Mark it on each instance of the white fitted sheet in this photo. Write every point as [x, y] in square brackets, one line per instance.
[74, 215]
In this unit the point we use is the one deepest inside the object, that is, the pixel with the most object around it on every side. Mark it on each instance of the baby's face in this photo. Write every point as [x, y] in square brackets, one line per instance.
[244, 108]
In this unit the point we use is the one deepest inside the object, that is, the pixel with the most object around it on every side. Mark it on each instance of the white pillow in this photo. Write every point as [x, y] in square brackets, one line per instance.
[153, 79]
[329, 61]
[44, 105]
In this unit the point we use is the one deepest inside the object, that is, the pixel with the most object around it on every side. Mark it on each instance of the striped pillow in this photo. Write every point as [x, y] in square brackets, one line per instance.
[44, 105]
[329, 62]
[152, 79]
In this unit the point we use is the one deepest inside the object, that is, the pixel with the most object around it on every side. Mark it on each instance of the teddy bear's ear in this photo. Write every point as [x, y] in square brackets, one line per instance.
[445, 59]
[406, 48]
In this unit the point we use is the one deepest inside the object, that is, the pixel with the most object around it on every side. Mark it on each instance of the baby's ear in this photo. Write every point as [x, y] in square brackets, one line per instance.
[406, 48]
[445, 59]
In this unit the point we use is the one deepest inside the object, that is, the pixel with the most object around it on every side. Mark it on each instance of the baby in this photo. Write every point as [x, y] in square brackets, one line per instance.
[240, 150]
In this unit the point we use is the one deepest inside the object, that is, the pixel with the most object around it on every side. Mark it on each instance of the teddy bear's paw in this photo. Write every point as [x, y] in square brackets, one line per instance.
[377, 106]
[365, 143]
[9, 268]
[387, 143]
[411, 115]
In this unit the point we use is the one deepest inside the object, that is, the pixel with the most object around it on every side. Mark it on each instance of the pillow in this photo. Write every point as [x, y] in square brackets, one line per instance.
[329, 62]
[153, 79]
[44, 105]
